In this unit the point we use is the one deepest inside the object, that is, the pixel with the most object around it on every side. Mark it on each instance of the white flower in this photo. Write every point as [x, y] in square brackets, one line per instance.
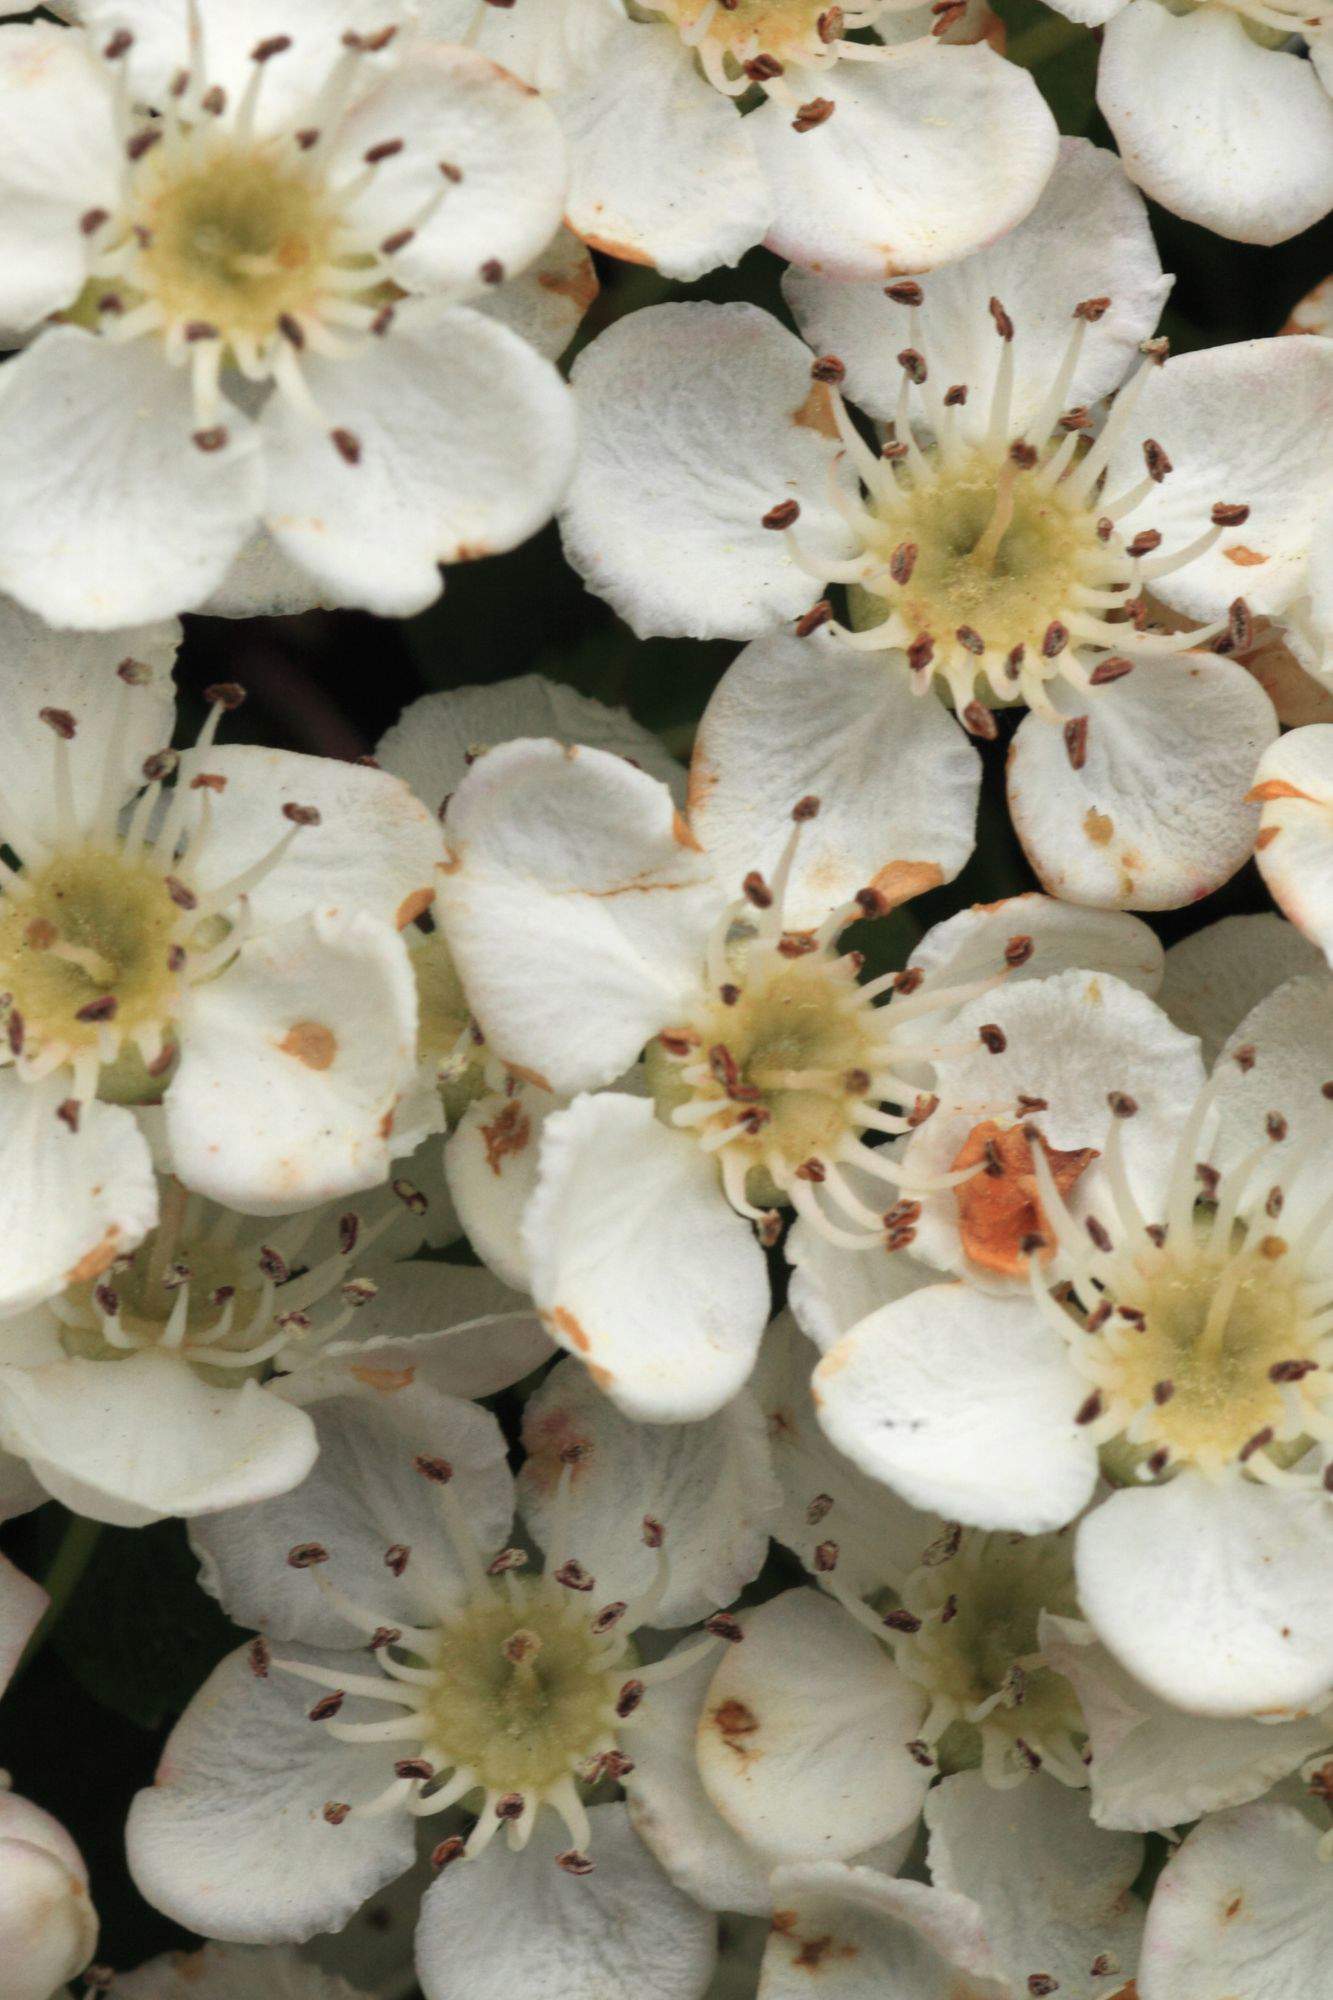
[259, 238]
[994, 547]
[445, 1675]
[1174, 1338]
[230, 945]
[585, 922]
[861, 158]
[1216, 111]
[1294, 785]
[231, 1972]
[48, 1927]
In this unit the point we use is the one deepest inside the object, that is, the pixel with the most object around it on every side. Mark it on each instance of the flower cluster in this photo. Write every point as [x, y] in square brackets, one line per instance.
[763, 1423]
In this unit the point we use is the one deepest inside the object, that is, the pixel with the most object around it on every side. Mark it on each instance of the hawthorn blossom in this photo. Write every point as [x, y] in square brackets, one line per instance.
[1221, 112]
[48, 1927]
[1173, 1339]
[995, 547]
[1294, 787]
[859, 157]
[247, 284]
[227, 944]
[445, 1675]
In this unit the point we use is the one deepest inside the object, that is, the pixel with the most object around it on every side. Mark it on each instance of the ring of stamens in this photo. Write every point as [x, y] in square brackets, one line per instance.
[997, 566]
[515, 1699]
[789, 1064]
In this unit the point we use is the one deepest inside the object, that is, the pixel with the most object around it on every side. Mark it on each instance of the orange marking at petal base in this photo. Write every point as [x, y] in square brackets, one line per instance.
[388, 1381]
[508, 1133]
[902, 880]
[413, 906]
[571, 1329]
[311, 1043]
[816, 412]
[93, 1262]
[997, 1210]
[1277, 788]
[1238, 553]
[681, 834]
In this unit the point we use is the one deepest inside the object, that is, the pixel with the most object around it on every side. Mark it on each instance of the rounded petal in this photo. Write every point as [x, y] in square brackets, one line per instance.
[872, 1938]
[1294, 783]
[1215, 126]
[1153, 813]
[576, 909]
[652, 143]
[896, 778]
[293, 1064]
[517, 1923]
[1212, 1594]
[1053, 1889]
[546, 46]
[973, 943]
[1287, 1041]
[58, 160]
[927, 156]
[375, 847]
[490, 1159]
[1153, 1765]
[109, 514]
[48, 1927]
[450, 104]
[230, 1972]
[453, 1327]
[138, 1440]
[830, 1291]
[807, 1779]
[436, 738]
[365, 1495]
[22, 1603]
[697, 419]
[709, 1484]
[1087, 236]
[545, 303]
[639, 1266]
[231, 1839]
[964, 1404]
[1241, 1909]
[1214, 978]
[1249, 424]
[264, 582]
[462, 439]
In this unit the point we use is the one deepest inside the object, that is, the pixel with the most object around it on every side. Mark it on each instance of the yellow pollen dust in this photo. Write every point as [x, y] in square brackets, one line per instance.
[524, 1692]
[87, 948]
[235, 240]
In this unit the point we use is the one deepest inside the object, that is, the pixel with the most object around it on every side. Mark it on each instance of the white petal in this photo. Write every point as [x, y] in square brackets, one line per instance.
[709, 1484]
[965, 1404]
[697, 419]
[77, 1200]
[652, 145]
[1212, 1594]
[1249, 423]
[22, 1603]
[436, 738]
[455, 1328]
[672, 1812]
[1155, 816]
[135, 1440]
[375, 846]
[1241, 1912]
[544, 45]
[264, 582]
[971, 944]
[1087, 237]
[48, 1927]
[292, 1066]
[1294, 781]
[1215, 977]
[1153, 1765]
[896, 778]
[465, 439]
[365, 1495]
[109, 514]
[926, 157]
[231, 1839]
[545, 304]
[58, 161]
[805, 1779]
[229, 1972]
[639, 1266]
[452, 105]
[491, 1160]
[516, 1923]
[1215, 126]
[829, 1290]
[1053, 1889]
[867, 1937]
[576, 909]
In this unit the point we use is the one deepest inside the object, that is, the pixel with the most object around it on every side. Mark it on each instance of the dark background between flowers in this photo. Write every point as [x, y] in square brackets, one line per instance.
[131, 1636]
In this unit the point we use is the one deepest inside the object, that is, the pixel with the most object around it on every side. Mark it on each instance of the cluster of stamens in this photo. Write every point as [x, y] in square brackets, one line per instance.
[102, 933]
[786, 1070]
[234, 246]
[997, 562]
[517, 1697]
[1205, 1336]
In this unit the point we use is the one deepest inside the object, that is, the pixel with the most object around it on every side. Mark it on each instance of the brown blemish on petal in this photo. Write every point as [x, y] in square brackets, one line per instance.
[579, 286]
[571, 1329]
[733, 1722]
[816, 1951]
[1098, 826]
[902, 880]
[1238, 553]
[555, 1445]
[413, 906]
[311, 1043]
[1277, 788]
[816, 412]
[451, 864]
[997, 1209]
[386, 1123]
[1266, 836]
[680, 833]
[601, 1376]
[508, 1133]
[626, 252]
[93, 1262]
[387, 1381]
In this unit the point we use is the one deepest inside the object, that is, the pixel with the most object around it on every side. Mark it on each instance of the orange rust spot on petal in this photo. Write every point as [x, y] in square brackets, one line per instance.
[1266, 836]
[902, 880]
[1277, 788]
[680, 833]
[451, 864]
[997, 1210]
[388, 1381]
[626, 252]
[815, 1951]
[507, 1134]
[816, 412]
[601, 1376]
[386, 1123]
[579, 286]
[733, 1722]
[571, 1329]
[1238, 553]
[1098, 826]
[311, 1043]
[100, 1258]
[413, 906]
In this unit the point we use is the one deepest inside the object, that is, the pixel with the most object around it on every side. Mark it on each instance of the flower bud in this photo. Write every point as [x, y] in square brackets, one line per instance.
[48, 1927]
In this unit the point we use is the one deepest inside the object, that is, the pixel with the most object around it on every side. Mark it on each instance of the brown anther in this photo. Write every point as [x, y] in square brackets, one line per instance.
[993, 1038]
[214, 438]
[451, 1849]
[970, 639]
[831, 25]
[608, 1616]
[756, 890]
[812, 1170]
[892, 451]
[1226, 514]
[926, 1105]
[805, 808]
[305, 1555]
[815, 111]
[1040, 1984]
[1144, 543]
[384, 150]
[104, 1008]
[1076, 741]
[762, 68]
[1092, 310]
[904, 292]
[1054, 639]
[1023, 454]
[723, 1626]
[120, 44]
[920, 1753]
[384, 1635]
[572, 1859]
[1079, 418]
[1256, 1443]
[1090, 1408]
[811, 620]
[944, 1547]
[728, 994]
[1018, 950]
[160, 765]
[825, 1558]
[828, 368]
[820, 1507]
[955, 396]
[419, 1769]
[60, 721]
[1156, 460]
[654, 1534]
[327, 1706]
[921, 652]
[336, 1811]
[571, 1575]
[1240, 625]
[1114, 668]
[437, 1470]
[275, 45]
[631, 1694]
[395, 1558]
[143, 142]
[399, 240]
[1291, 1371]
[908, 980]
[901, 1620]
[1276, 1126]
[258, 1657]
[1121, 1103]
[979, 720]
[347, 444]
[1244, 1057]
[413, 1200]
[903, 561]
[506, 1560]
[1004, 326]
[784, 515]
[272, 1265]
